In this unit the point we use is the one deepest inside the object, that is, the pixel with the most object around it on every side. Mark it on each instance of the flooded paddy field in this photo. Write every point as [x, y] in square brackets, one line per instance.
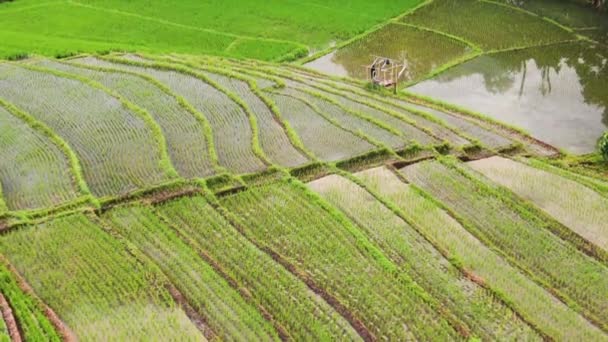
[536, 65]
[422, 51]
[559, 94]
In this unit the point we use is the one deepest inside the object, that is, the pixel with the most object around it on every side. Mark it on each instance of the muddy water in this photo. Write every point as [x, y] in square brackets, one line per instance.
[422, 51]
[559, 94]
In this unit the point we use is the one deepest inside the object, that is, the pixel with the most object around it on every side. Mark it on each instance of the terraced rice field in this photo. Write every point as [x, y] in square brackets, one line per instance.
[37, 173]
[114, 141]
[198, 198]
[93, 282]
[574, 205]
[487, 25]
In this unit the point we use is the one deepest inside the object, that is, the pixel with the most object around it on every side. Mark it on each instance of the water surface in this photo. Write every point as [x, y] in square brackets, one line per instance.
[421, 50]
[559, 94]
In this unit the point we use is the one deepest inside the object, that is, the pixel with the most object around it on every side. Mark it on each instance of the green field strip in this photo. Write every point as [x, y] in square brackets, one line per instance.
[287, 300]
[472, 305]
[419, 118]
[327, 141]
[185, 135]
[570, 203]
[74, 164]
[598, 185]
[330, 116]
[519, 236]
[435, 126]
[93, 282]
[532, 302]
[164, 162]
[97, 64]
[273, 139]
[117, 146]
[230, 124]
[3, 207]
[491, 27]
[486, 137]
[169, 23]
[253, 122]
[404, 124]
[36, 172]
[228, 315]
[516, 134]
[318, 241]
[356, 121]
[5, 335]
[527, 208]
[257, 82]
[105, 28]
[28, 312]
[408, 127]
[266, 112]
[443, 123]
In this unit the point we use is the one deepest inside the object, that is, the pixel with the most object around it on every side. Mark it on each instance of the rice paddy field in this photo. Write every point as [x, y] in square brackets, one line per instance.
[210, 171]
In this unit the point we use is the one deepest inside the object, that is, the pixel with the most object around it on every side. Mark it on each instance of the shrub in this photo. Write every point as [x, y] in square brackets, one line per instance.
[602, 146]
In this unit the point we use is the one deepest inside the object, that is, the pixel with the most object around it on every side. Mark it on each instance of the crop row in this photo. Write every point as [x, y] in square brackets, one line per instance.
[185, 135]
[472, 306]
[114, 142]
[579, 208]
[321, 245]
[226, 312]
[324, 139]
[388, 110]
[35, 173]
[456, 130]
[523, 238]
[27, 312]
[348, 120]
[230, 125]
[273, 139]
[293, 308]
[535, 304]
[94, 283]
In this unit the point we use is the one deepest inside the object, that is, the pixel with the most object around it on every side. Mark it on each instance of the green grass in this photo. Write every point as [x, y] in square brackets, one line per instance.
[532, 302]
[323, 246]
[522, 237]
[228, 315]
[472, 306]
[486, 24]
[27, 311]
[93, 282]
[268, 30]
[289, 302]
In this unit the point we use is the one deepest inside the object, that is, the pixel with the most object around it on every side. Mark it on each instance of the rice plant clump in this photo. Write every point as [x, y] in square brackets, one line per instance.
[602, 146]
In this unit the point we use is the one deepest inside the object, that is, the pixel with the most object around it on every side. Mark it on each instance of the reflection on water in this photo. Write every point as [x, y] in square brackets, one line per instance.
[423, 51]
[559, 94]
